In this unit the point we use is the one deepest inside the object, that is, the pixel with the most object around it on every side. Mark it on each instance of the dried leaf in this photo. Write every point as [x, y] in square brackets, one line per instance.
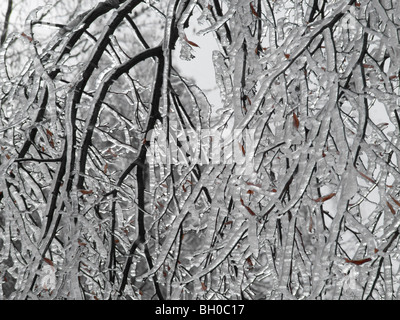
[325, 198]
[395, 201]
[254, 184]
[253, 11]
[112, 153]
[48, 261]
[249, 262]
[366, 177]
[247, 208]
[370, 66]
[296, 121]
[86, 191]
[191, 42]
[242, 148]
[357, 262]
[391, 207]
[26, 36]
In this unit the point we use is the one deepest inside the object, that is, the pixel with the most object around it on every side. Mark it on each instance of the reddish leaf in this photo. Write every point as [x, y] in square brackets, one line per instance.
[247, 208]
[191, 42]
[366, 177]
[81, 243]
[253, 11]
[249, 262]
[49, 133]
[48, 261]
[250, 192]
[274, 190]
[287, 56]
[242, 148]
[395, 201]
[26, 36]
[254, 184]
[105, 168]
[248, 99]
[376, 250]
[160, 204]
[358, 262]
[8, 156]
[325, 198]
[112, 153]
[86, 191]
[392, 77]
[203, 286]
[357, 4]
[368, 66]
[228, 222]
[296, 121]
[184, 188]
[391, 207]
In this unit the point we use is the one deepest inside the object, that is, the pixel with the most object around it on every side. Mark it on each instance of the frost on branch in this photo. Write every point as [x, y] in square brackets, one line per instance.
[120, 180]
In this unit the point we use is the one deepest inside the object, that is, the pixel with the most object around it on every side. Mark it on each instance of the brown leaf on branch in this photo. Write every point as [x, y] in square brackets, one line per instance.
[325, 198]
[296, 121]
[26, 36]
[83, 191]
[357, 262]
[48, 261]
[193, 44]
[391, 207]
[366, 177]
[242, 148]
[253, 11]
[395, 201]
[247, 208]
